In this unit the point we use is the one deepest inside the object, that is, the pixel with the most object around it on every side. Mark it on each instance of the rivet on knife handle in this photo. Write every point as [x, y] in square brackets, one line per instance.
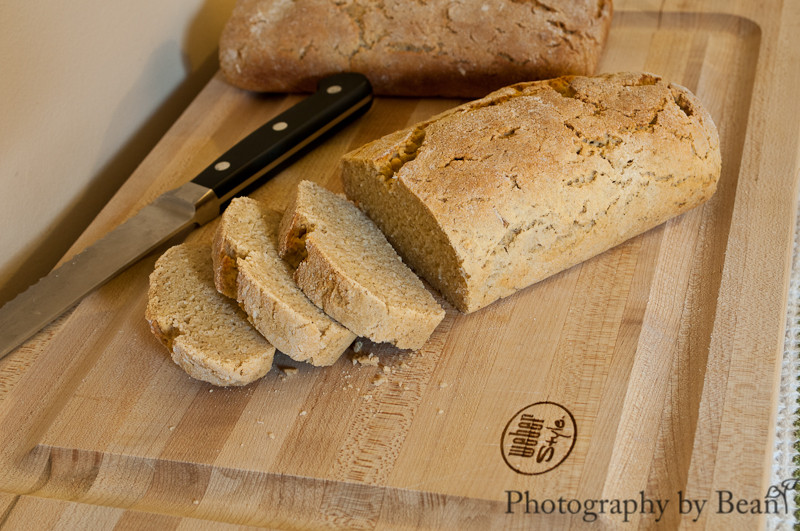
[339, 99]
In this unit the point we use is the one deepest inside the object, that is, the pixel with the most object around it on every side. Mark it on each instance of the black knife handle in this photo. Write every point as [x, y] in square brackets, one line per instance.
[338, 99]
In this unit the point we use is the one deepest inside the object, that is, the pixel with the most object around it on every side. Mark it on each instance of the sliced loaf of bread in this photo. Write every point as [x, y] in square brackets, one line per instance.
[496, 194]
[346, 267]
[206, 332]
[247, 267]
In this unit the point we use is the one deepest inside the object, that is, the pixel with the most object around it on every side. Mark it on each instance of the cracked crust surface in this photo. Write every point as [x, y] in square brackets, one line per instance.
[206, 333]
[247, 267]
[347, 268]
[422, 48]
[494, 195]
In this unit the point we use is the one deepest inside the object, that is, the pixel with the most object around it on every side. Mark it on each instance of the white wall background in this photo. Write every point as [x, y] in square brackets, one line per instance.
[87, 88]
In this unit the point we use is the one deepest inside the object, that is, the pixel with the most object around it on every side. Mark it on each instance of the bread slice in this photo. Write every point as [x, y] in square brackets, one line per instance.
[494, 195]
[346, 266]
[248, 268]
[206, 332]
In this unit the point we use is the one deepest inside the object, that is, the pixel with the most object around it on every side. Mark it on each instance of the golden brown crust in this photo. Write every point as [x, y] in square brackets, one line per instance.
[225, 268]
[535, 178]
[430, 48]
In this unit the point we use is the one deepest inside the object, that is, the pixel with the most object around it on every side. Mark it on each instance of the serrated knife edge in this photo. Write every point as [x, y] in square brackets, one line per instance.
[168, 216]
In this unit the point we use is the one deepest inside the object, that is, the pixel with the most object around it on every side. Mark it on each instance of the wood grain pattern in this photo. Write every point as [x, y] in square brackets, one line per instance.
[63, 514]
[664, 349]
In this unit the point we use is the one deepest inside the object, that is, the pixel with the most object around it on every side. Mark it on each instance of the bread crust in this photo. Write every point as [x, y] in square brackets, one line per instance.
[534, 178]
[247, 267]
[429, 48]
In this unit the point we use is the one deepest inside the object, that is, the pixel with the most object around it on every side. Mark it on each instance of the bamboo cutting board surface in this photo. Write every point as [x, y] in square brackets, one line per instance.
[652, 369]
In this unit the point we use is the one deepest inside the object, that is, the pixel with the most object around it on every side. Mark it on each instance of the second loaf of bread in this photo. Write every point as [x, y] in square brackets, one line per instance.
[427, 48]
[499, 193]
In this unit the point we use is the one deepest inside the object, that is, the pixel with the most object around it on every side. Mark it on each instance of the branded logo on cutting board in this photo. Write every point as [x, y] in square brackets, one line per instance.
[538, 438]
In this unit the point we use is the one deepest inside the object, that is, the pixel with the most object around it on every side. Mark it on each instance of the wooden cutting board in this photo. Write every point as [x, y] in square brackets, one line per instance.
[647, 373]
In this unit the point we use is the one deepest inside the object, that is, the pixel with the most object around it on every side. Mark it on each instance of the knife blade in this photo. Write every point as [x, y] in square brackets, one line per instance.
[338, 99]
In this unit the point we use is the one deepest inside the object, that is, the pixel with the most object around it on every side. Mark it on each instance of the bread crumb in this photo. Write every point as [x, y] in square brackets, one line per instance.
[172, 428]
[210, 390]
[259, 422]
[441, 411]
[303, 413]
[357, 346]
[366, 359]
[271, 435]
[386, 369]
[379, 379]
[288, 370]
[443, 385]
[196, 502]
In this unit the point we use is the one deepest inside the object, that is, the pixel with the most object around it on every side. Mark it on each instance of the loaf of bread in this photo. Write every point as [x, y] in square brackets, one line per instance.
[206, 332]
[347, 268]
[423, 48]
[494, 195]
[247, 268]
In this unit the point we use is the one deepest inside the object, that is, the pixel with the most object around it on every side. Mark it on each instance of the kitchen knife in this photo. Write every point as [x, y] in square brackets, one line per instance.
[338, 99]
